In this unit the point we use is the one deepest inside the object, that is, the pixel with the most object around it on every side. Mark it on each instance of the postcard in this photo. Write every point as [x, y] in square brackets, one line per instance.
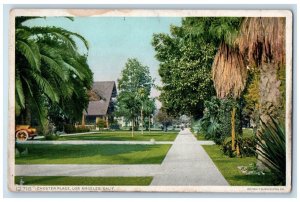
[150, 100]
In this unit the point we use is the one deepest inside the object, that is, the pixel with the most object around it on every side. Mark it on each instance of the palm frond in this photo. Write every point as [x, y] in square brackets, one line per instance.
[45, 87]
[262, 39]
[30, 51]
[20, 98]
[229, 72]
[55, 67]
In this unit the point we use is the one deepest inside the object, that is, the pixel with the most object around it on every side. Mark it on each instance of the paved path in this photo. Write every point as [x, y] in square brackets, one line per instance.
[188, 164]
[185, 164]
[87, 170]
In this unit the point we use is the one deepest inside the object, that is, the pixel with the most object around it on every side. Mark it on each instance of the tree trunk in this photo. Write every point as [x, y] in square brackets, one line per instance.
[233, 129]
[83, 120]
[270, 99]
[132, 127]
[142, 124]
[149, 124]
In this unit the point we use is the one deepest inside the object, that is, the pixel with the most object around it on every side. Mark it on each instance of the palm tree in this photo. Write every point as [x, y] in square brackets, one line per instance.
[262, 41]
[49, 69]
[229, 75]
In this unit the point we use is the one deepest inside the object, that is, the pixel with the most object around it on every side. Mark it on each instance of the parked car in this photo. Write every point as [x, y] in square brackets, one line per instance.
[23, 132]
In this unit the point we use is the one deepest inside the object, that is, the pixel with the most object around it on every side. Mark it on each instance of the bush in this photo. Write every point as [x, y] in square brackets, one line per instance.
[216, 121]
[81, 129]
[51, 136]
[114, 126]
[247, 146]
[101, 123]
[69, 128]
[271, 147]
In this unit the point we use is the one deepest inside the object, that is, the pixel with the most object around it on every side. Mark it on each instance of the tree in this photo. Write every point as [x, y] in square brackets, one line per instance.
[50, 73]
[221, 32]
[185, 67]
[262, 41]
[189, 51]
[134, 89]
[163, 118]
[148, 110]
[259, 43]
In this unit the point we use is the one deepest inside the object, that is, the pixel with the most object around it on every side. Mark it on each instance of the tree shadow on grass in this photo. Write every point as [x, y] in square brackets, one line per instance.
[63, 154]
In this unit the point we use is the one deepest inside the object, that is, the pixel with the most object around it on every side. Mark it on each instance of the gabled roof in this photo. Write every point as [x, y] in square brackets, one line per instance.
[105, 90]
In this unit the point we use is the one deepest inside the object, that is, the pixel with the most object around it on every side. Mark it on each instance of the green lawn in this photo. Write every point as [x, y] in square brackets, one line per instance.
[124, 136]
[93, 154]
[248, 132]
[228, 167]
[200, 137]
[68, 180]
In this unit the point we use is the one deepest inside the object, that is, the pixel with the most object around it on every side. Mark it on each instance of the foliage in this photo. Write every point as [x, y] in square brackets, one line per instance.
[51, 76]
[229, 72]
[263, 42]
[247, 146]
[51, 136]
[272, 148]
[216, 121]
[163, 118]
[134, 91]
[251, 96]
[100, 123]
[262, 39]
[69, 128]
[185, 62]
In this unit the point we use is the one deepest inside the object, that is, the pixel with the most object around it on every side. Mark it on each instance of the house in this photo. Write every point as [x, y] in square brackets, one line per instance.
[101, 103]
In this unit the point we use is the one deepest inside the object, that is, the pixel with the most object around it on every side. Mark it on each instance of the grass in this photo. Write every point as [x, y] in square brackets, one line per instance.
[228, 167]
[123, 136]
[200, 137]
[68, 180]
[93, 154]
[248, 132]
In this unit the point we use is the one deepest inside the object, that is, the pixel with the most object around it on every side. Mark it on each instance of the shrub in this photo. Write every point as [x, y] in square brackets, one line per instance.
[247, 146]
[271, 147]
[80, 129]
[114, 126]
[69, 128]
[216, 121]
[101, 123]
[51, 136]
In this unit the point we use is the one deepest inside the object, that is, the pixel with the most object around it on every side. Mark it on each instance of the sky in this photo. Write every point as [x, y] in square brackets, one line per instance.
[112, 40]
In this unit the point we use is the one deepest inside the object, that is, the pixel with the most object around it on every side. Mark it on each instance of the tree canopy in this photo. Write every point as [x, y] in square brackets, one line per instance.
[51, 75]
[186, 57]
[134, 91]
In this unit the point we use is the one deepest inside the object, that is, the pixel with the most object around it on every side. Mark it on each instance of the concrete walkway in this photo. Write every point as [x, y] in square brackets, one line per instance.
[87, 170]
[188, 164]
[185, 164]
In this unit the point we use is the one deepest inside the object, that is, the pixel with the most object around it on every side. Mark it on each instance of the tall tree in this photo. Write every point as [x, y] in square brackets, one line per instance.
[185, 58]
[134, 89]
[163, 118]
[50, 72]
[259, 43]
[262, 41]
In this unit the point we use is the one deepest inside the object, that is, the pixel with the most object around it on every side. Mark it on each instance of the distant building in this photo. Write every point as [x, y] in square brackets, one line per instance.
[101, 104]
